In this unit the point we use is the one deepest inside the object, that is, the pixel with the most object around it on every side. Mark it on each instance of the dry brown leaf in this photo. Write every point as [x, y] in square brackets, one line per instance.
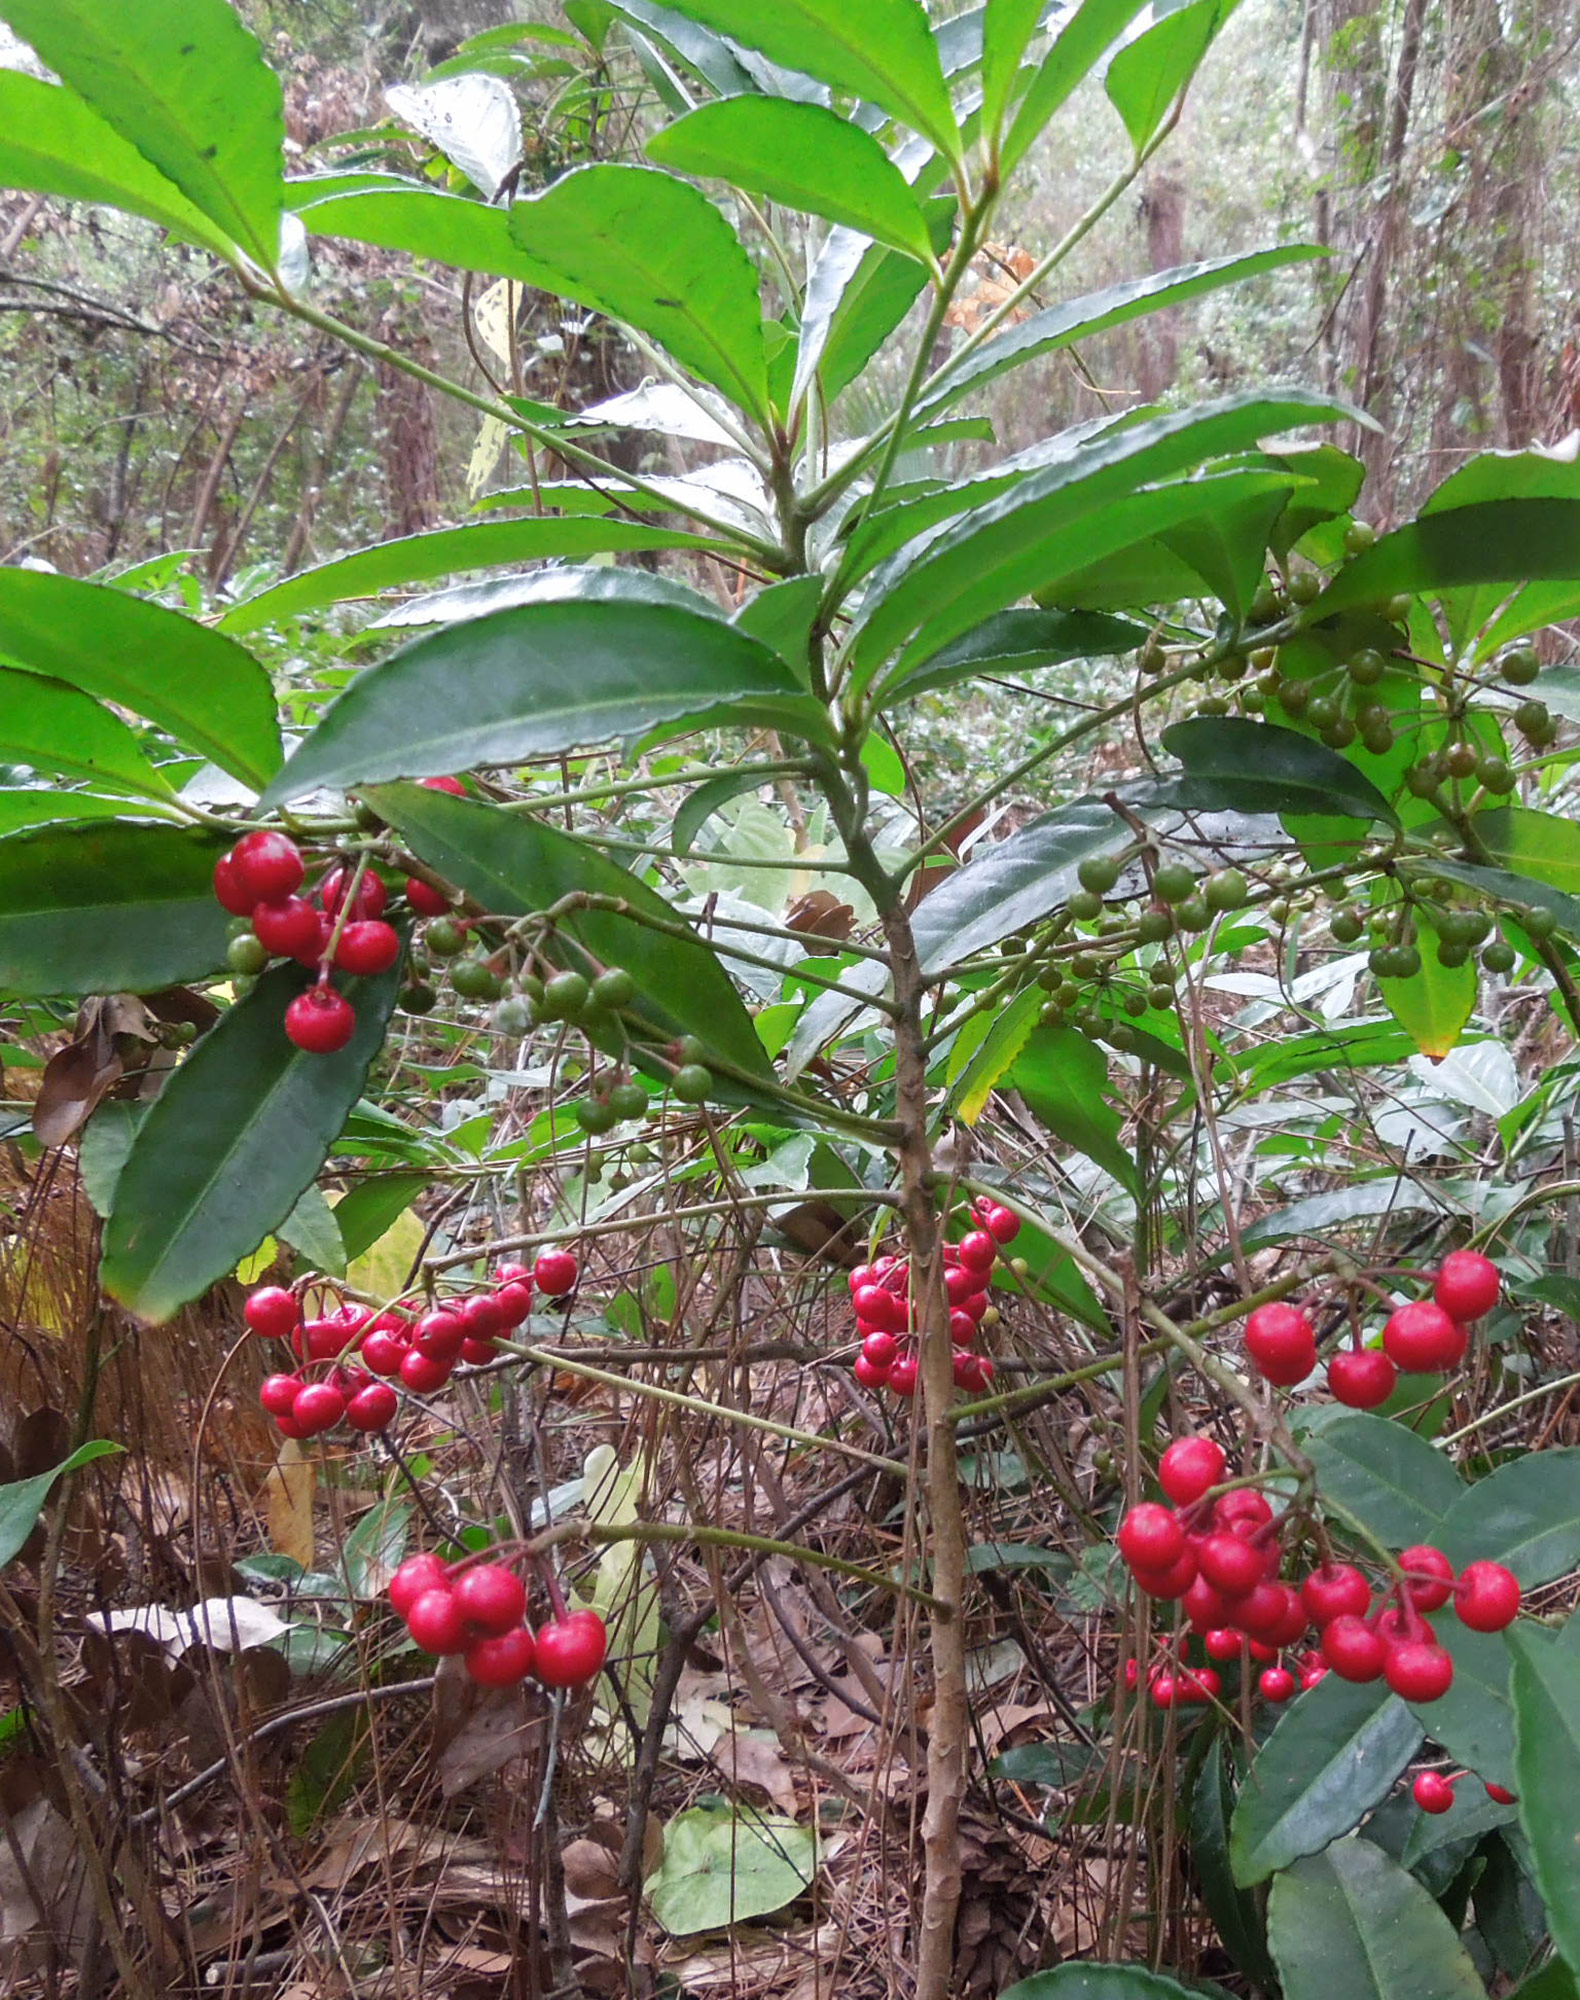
[290, 1489]
[499, 1732]
[751, 1757]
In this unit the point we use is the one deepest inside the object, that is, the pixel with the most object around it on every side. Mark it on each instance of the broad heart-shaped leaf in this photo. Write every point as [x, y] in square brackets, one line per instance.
[231, 1142]
[1526, 1515]
[22, 1500]
[803, 156]
[1546, 1690]
[210, 693]
[653, 251]
[1020, 541]
[1235, 1912]
[725, 1865]
[1080, 319]
[1351, 1921]
[108, 907]
[1062, 1075]
[882, 50]
[1147, 75]
[418, 558]
[1387, 1476]
[1083, 37]
[445, 228]
[186, 84]
[1023, 879]
[513, 866]
[55, 728]
[53, 143]
[588, 664]
[1496, 541]
[1233, 764]
[1017, 642]
[1327, 1763]
[1081, 1981]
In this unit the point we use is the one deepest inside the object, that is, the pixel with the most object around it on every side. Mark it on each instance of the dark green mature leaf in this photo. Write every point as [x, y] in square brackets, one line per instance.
[1546, 1690]
[591, 660]
[1233, 764]
[373, 1206]
[1235, 1912]
[231, 1143]
[1473, 1721]
[1335, 479]
[1016, 883]
[54, 728]
[1502, 886]
[1356, 1045]
[52, 143]
[186, 84]
[1351, 1921]
[1080, 319]
[1094, 26]
[210, 693]
[1328, 1762]
[1554, 1982]
[1062, 1075]
[653, 251]
[445, 228]
[1497, 541]
[1081, 1981]
[22, 1500]
[1017, 642]
[1147, 75]
[108, 907]
[805, 157]
[33, 806]
[1319, 1213]
[1022, 541]
[881, 50]
[1526, 1515]
[1541, 845]
[1391, 1479]
[418, 558]
[513, 866]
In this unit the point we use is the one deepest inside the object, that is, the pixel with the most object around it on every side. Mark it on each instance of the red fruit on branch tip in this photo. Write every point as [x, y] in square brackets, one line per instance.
[451, 785]
[1487, 1597]
[556, 1272]
[372, 1408]
[1466, 1285]
[1422, 1340]
[1362, 1377]
[434, 1620]
[371, 892]
[366, 948]
[279, 1393]
[267, 865]
[1429, 1576]
[1281, 1341]
[415, 1575]
[272, 1312]
[1419, 1670]
[1335, 1590]
[318, 1408]
[320, 1021]
[1176, 1580]
[1231, 1564]
[1432, 1792]
[425, 899]
[1189, 1467]
[291, 928]
[1150, 1537]
[503, 1660]
[490, 1597]
[1352, 1649]
[571, 1650]
[1276, 1683]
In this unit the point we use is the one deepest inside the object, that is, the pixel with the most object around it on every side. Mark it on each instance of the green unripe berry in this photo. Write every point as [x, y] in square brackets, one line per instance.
[1160, 997]
[1495, 776]
[1225, 889]
[1154, 927]
[1379, 741]
[1367, 667]
[1278, 909]
[1173, 882]
[1338, 734]
[640, 1154]
[1294, 697]
[692, 1049]
[565, 996]
[1322, 709]
[418, 998]
[1304, 587]
[1359, 537]
[1346, 926]
[1539, 923]
[1421, 779]
[1498, 956]
[1084, 906]
[1397, 609]
[1213, 704]
[531, 989]
[1051, 1014]
[1451, 954]
[1265, 604]
[444, 937]
[1519, 666]
[613, 989]
[1086, 965]
[1533, 719]
[1233, 667]
[594, 1116]
[472, 979]
[1098, 873]
[1193, 914]
[1461, 759]
[628, 1100]
[247, 955]
[1122, 1036]
[1253, 701]
[1134, 1003]
[692, 1083]
[1152, 659]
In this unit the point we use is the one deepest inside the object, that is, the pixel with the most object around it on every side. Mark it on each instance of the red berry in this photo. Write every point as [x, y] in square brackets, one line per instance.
[1002, 1224]
[864, 1274]
[1466, 1285]
[1309, 1676]
[513, 1303]
[1352, 1649]
[434, 1620]
[480, 1316]
[1132, 1674]
[478, 1352]
[1189, 1467]
[318, 1408]
[1263, 1655]
[1243, 1506]
[902, 1376]
[502, 1661]
[1223, 1642]
[1231, 1564]
[1423, 1561]
[382, 1351]
[1488, 1597]
[1290, 1626]
[491, 1597]
[1335, 1590]
[289, 1427]
[1197, 1684]
[878, 1306]
[1174, 1580]
[1162, 1690]
[367, 948]
[372, 1408]
[451, 785]
[227, 887]
[1500, 1795]
[422, 1373]
[1264, 1611]
[974, 1305]
[1422, 1339]
[870, 1374]
[279, 1393]
[1419, 1670]
[962, 1327]
[556, 1272]
[971, 1371]
[292, 928]
[512, 1274]
[1280, 1340]
[571, 1650]
[1150, 1537]
[1362, 1377]
[880, 1349]
[320, 1020]
[1432, 1792]
[267, 865]
[425, 899]
[961, 1284]
[978, 1251]
[439, 1334]
[1276, 1683]
[272, 1312]
[1205, 1607]
[371, 895]
[415, 1575]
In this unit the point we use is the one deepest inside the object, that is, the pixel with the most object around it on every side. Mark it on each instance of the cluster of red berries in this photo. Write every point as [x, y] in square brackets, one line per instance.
[1426, 1337]
[880, 1293]
[419, 1352]
[478, 1610]
[1220, 1557]
[1433, 1791]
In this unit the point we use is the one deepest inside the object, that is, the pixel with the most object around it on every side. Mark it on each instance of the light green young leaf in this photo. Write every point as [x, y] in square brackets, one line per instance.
[1094, 27]
[1147, 75]
[22, 1501]
[51, 726]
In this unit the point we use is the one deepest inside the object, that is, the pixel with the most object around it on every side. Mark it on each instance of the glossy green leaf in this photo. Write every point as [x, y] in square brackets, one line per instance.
[1497, 541]
[1546, 1692]
[1007, 29]
[373, 1206]
[1081, 1981]
[1351, 1921]
[34, 806]
[1007, 1034]
[22, 1500]
[1233, 764]
[1503, 886]
[653, 251]
[186, 84]
[782, 615]
[210, 693]
[312, 1229]
[591, 662]
[1554, 1982]
[1016, 883]
[108, 907]
[1357, 1045]
[53, 143]
[1434, 1005]
[1148, 74]
[1541, 845]
[699, 48]
[1525, 1515]
[55, 728]
[1391, 1479]
[1226, 544]
[1091, 30]
[231, 1143]
[1335, 480]
[803, 156]
[857, 293]
[1235, 1912]
[448, 229]
[1474, 1721]
[1017, 642]
[882, 50]
[1389, 1195]
[418, 558]
[513, 865]
[1332, 1756]
[1021, 540]
[1062, 1075]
